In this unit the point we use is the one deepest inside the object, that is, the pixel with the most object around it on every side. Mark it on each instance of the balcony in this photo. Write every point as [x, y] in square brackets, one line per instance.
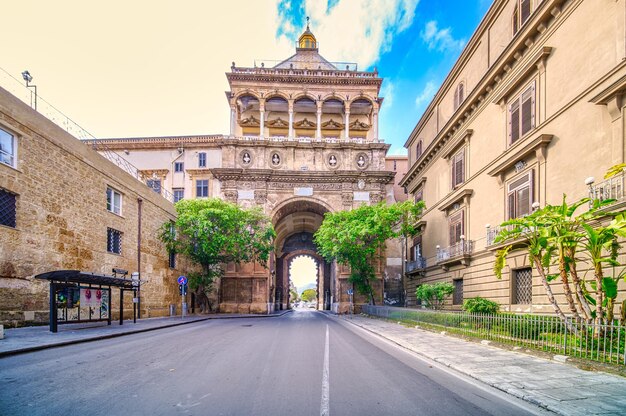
[612, 188]
[492, 233]
[459, 253]
[416, 265]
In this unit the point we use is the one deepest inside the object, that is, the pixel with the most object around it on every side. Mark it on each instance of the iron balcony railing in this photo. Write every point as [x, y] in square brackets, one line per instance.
[418, 264]
[462, 248]
[591, 341]
[612, 188]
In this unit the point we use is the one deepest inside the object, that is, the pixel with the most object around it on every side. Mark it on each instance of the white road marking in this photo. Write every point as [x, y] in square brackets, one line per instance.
[324, 408]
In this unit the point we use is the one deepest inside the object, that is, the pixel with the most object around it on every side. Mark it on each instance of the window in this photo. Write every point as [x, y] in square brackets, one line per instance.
[114, 201]
[7, 148]
[179, 193]
[114, 241]
[202, 160]
[456, 227]
[457, 295]
[202, 188]
[179, 166]
[7, 208]
[416, 251]
[522, 287]
[522, 114]
[520, 195]
[459, 95]
[172, 259]
[419, 196]
[418, 150]
[521, 14]
[154, 184]
[458, 168]
[394, 166]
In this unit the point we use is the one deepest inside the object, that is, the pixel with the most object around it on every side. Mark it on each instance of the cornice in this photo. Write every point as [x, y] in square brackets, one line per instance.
[223, 174]
[519, 151]
[454, 197]
[303, 79]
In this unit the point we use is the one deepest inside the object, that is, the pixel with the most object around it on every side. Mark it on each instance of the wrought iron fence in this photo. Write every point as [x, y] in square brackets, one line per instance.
[461, 248]
[418, 264]
[579, 339]
[612, 188]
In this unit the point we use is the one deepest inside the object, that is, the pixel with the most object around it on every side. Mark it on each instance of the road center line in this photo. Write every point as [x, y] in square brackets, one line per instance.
[324, 408]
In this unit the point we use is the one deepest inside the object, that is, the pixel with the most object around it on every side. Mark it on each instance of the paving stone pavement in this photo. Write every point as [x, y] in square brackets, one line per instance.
[558, 387]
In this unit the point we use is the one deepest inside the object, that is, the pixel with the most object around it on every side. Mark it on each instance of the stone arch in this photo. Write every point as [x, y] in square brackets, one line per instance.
[334, 95]
[276, 211]
[243, 93]
[305, 94]
[364, 97]
[276, 94]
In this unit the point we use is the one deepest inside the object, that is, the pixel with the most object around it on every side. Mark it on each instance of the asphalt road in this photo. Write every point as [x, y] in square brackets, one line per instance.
[304, 363]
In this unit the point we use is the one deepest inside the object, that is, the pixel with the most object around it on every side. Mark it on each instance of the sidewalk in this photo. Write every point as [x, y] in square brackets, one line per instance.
[33, 338]
[561, 388]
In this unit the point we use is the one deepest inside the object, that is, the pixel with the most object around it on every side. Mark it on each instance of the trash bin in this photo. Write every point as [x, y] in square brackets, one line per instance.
[172, 310]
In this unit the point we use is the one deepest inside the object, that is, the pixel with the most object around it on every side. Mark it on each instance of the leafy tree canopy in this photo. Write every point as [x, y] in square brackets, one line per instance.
[356, 237]
[309, 295]
[211, 232]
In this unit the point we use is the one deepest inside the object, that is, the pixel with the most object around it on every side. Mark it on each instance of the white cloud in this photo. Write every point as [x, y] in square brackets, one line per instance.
[426, 95]
[440, 39]
[358, 30]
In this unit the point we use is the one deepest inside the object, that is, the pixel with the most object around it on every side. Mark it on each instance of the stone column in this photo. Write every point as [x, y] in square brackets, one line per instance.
[318, 129]
[233, 116]
[290, 119]
[375, 123]
[262, 121]
[347, 122]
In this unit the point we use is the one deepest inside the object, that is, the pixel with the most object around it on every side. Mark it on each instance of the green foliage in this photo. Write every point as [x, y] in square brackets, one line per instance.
[481, 305]
[356, 238]
[212, 232]
[434, 295]
[309, 295]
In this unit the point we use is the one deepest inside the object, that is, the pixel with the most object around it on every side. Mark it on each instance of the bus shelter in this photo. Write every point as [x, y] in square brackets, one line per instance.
[78, 297]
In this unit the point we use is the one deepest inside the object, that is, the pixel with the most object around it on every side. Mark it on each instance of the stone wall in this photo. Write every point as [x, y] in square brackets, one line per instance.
[62, 220]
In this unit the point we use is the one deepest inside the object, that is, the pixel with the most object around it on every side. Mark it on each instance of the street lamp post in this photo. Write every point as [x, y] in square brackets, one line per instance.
[28, 78]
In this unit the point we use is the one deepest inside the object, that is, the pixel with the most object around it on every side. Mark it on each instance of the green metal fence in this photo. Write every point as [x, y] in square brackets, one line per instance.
[603, 343]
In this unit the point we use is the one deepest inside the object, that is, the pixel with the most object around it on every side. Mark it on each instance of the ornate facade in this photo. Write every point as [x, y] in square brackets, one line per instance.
[303, 141]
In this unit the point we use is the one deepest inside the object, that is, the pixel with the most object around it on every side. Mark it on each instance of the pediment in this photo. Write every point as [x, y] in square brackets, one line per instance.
[304, 124]
[279, 122]
[331, 124]
[359, 125]
[250, 122]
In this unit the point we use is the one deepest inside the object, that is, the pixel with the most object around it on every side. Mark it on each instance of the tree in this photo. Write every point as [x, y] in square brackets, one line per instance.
[555, 237]
[212, 232]
[309, 295]
[357, 238]
[434, 295]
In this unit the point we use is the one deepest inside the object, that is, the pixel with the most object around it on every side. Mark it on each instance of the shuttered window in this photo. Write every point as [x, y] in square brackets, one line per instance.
[456, 227]
[459, 95]
[520, 195]
[458, 168]
[418, 150]
[521, 14]
[522, 114]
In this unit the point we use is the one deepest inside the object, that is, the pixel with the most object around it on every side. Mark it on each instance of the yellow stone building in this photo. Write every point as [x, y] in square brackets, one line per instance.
[532, 109]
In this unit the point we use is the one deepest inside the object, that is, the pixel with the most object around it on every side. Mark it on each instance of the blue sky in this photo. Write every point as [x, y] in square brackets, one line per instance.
[416, 60]
[121, 72]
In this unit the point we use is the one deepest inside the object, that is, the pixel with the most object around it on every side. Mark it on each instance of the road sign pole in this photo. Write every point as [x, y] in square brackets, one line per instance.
[182, 285]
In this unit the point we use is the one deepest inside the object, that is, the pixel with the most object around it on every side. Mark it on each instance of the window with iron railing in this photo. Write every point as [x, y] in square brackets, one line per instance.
[522, 286]
[114, 241]
[8, 208]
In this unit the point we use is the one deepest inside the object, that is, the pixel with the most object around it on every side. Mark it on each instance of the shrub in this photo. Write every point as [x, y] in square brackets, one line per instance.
[481, 305]
[433, 295]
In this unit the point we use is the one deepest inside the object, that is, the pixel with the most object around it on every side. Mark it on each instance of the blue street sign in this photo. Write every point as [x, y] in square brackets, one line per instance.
[182, 280]
[350, 292]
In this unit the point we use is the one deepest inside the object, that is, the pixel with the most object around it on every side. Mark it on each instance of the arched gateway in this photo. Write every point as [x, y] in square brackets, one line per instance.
[303, 141]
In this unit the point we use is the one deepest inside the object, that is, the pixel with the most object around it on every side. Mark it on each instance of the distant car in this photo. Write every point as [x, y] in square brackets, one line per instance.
[311, 305]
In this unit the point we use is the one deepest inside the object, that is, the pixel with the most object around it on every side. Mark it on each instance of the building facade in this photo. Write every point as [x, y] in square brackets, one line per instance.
[303, 141]
[65, 207]
[532, 110]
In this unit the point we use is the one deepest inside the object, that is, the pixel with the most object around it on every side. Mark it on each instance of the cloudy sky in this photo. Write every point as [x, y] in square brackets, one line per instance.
[156, 68]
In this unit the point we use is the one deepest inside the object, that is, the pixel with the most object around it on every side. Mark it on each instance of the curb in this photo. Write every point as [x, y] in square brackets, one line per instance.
[129, 332]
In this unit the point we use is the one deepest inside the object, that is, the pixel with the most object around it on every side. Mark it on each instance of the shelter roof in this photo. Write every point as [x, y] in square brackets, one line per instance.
[76, 276]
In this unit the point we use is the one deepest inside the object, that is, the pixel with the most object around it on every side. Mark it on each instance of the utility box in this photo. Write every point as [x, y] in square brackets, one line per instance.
[172, 310]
